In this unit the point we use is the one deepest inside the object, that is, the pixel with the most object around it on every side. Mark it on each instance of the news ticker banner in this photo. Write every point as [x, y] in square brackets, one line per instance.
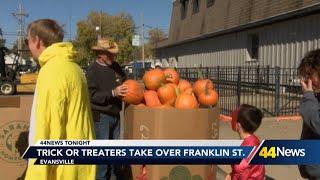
[173, 152]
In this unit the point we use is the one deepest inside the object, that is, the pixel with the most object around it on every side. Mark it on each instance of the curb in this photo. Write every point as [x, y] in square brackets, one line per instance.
[225, 118]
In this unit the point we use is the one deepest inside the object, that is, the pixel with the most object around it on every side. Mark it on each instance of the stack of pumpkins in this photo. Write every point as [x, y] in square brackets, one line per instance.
[164, 89]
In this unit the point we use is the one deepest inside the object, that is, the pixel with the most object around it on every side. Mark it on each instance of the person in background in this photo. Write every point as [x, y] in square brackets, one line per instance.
[3, 51]
[246, 120]
[105, 77]
[61, 106]
[309, 72]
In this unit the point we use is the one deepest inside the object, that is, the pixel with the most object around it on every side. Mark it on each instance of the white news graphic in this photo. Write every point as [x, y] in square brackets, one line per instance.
[138, 151]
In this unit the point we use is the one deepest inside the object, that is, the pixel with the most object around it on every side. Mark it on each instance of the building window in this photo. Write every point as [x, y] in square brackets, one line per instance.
[253, 46]
[210, 3]
[195, 6]
[184, 8]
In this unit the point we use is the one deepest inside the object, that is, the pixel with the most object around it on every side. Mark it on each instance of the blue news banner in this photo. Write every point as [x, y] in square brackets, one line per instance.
[173, 152]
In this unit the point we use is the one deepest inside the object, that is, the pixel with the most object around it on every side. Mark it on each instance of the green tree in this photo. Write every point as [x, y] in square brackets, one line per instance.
[119, 28]
[2, 40]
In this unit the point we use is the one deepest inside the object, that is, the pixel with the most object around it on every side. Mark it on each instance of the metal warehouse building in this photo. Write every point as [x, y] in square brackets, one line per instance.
[240, 33]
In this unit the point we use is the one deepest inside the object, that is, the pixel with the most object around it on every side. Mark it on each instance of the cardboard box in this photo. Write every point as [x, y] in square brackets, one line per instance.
[147, 123]
[9, 101]
[14, 122]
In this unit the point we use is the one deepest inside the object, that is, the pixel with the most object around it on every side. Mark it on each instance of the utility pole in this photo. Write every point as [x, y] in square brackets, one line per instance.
[70, 19]
[157, 40]
[142, 41]
[100, 32]
[98, 28]
[20, 17]
[70, 33]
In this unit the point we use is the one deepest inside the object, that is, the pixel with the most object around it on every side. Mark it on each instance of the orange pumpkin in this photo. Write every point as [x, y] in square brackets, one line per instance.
[135, 92]
[164, 106]
[210, 97]
[141, 105]
[173, 85]
[153, 79]
[186, 100]
[167, 94]
[183, 85]
[171, 76]
[200, 86]
[151, 98]
[188, 90]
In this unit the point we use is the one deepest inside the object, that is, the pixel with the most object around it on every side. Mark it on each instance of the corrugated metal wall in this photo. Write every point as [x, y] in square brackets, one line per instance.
[282, 44]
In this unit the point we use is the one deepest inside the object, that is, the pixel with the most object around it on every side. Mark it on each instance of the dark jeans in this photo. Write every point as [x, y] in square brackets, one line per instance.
[311, 172]
[109, 128]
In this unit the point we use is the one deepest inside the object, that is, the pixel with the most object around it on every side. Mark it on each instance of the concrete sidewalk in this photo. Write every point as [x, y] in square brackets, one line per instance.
[269, 129]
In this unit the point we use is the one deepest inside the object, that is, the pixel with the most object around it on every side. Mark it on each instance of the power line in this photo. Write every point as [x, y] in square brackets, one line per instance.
[142, 36]
[20, 15]
[10, 34]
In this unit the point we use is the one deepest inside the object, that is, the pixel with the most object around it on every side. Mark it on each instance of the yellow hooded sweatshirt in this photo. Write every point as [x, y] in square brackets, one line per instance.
[62, 111]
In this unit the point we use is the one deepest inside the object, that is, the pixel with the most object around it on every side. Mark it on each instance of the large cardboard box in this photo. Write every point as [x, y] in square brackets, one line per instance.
[147, 123]
[14, 122]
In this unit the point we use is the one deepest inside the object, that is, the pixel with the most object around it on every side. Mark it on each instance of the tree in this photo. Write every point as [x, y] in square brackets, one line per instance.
[2, 40]
[119, 28]
[155, 35]
[25, 50]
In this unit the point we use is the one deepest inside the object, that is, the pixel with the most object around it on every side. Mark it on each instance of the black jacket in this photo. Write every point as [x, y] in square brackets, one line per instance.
[3, 51]
[310, 112]
[101, 81]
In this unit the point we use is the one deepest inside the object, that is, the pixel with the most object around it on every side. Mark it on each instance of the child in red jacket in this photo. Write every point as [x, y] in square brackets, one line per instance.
[246, 120]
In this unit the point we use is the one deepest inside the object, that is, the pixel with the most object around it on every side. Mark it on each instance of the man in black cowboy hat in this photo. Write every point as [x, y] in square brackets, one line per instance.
[105, 77]
[3, 50]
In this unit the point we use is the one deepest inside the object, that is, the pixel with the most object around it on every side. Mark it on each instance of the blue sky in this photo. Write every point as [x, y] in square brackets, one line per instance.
[157, 13]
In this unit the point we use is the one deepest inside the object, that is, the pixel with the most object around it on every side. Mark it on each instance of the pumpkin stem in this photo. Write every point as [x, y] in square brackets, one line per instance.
[177, 91]
[168, 76]
[206, 89]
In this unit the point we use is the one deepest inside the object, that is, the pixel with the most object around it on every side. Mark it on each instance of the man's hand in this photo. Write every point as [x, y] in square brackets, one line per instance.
[306, 85]
[120, 90]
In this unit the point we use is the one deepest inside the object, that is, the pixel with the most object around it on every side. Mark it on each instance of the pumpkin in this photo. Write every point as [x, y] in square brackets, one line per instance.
[153, 79]
[135, 92]
[210, 97]
[151, 98]
[164, 106]
[188, 90]
[173, 85]
[167, 94]
[200, 86]
[141, 105]
[186, 100]
[171, 76]
[183, 85]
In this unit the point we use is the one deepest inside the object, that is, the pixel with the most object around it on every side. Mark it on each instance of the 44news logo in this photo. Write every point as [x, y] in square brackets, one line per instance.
[274, 152]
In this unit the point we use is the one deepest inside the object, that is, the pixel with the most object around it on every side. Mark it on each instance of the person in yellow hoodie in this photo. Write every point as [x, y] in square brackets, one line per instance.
[61, 107]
